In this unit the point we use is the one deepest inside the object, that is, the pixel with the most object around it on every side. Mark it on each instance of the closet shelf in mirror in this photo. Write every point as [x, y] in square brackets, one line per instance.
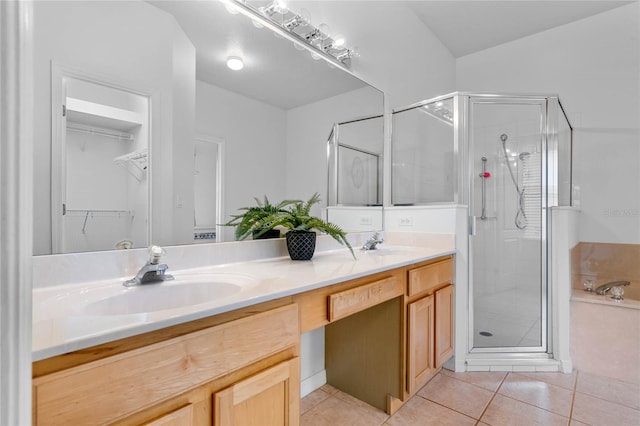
[90, 214]
[102, 116]
[135, 162]
[98, 212]
[114, 134]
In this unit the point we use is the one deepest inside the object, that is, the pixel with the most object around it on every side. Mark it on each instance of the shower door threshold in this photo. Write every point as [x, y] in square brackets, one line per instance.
[525, 362]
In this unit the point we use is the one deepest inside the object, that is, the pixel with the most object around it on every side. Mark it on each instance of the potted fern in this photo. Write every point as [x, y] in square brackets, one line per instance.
[252, 223]
[301, 226]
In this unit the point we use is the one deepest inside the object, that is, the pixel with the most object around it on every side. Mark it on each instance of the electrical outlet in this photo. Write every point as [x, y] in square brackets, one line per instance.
[366, 220]
[406, 221]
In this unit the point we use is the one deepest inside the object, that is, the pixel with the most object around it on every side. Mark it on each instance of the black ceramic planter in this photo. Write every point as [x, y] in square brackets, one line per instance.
[301, 244]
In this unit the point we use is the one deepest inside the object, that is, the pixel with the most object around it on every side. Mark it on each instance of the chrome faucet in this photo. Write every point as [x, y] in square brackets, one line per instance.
[152, 271]
[604, 288]
[372, 242]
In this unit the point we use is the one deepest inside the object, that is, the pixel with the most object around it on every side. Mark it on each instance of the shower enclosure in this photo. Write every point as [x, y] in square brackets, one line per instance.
[508, 159]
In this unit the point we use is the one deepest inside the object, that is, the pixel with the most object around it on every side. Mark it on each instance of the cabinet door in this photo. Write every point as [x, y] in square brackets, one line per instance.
[420, 340]
[444, 325]
[180, 417]
[271, 397]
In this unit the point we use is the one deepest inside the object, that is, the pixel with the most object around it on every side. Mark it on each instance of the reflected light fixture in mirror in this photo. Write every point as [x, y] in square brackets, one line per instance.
[277, 6]
[303, 18]
[235, 63]
[317, 39]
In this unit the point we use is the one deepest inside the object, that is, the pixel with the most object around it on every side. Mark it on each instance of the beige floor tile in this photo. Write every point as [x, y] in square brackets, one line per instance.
[337, 412]
[509, 412]
[596, 411]
[567, 381]
[541, 394]
[313, 399]
[627, 394]
[358, 403]
[487, 380]
[576, 423]
[458, 395]
[329, 389]
[421, 412]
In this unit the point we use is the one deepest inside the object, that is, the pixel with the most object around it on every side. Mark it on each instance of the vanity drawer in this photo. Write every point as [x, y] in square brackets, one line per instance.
[429, 277]
[109, 389]
[357, 299]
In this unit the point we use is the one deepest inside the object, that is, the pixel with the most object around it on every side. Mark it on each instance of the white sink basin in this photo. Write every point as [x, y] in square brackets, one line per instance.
[184, 291]
[387, 251]
[159, 297]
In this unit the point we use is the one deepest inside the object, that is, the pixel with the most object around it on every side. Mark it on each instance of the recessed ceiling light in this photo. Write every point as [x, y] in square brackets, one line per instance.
[235, 63]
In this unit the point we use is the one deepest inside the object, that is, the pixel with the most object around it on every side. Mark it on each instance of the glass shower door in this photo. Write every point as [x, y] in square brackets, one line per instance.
[508, 221]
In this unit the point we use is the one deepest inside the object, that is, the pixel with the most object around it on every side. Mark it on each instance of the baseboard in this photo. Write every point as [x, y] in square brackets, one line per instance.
[566, 365]
[312, 383]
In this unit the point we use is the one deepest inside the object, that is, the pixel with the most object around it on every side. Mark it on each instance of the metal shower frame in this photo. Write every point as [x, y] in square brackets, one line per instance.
[463, 190]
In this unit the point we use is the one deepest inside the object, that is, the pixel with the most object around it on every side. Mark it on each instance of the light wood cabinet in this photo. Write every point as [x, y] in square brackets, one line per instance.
[386, 335]
[153, 383]
[443, 325]
[420, 348]
[429, 321]
[268, 398]
[180, 417]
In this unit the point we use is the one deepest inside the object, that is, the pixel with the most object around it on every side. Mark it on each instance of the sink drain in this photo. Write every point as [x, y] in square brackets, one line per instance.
[485, 333]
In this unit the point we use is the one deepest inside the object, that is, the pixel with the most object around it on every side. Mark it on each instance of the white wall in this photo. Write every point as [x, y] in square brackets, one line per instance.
[254, 138]
[594, 65]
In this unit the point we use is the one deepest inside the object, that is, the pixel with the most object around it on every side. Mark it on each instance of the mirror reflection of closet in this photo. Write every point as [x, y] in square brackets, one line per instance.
[102, 148]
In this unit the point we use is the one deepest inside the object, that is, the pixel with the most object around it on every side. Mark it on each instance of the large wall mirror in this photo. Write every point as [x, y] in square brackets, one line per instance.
[144, 135]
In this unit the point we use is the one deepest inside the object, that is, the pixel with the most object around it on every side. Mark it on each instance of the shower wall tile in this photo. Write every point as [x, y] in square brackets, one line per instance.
[603, 262]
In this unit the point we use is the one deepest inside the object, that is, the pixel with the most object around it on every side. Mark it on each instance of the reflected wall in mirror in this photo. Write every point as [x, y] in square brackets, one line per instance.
[355, 157]
[274, 115]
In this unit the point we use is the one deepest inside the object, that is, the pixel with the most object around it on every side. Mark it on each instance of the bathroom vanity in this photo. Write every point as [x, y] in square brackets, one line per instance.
[388, 329]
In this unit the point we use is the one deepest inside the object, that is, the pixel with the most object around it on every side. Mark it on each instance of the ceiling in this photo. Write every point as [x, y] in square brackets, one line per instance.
[466, 27]
[280, 75]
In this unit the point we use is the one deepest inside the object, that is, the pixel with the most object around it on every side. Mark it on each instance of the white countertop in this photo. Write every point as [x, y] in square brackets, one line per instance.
[61, 324]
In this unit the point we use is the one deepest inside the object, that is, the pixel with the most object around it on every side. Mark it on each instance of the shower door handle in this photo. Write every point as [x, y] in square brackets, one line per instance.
[472, 225]
[484, 175]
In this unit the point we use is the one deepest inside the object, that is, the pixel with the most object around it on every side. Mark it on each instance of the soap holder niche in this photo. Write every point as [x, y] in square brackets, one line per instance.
[136, 163]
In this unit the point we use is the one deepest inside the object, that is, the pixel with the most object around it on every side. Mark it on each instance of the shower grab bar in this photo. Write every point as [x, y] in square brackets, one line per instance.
[484, 174]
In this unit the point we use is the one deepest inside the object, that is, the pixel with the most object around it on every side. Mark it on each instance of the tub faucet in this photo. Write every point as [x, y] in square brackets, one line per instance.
[152, 271]
[604, 288]
[372, 242]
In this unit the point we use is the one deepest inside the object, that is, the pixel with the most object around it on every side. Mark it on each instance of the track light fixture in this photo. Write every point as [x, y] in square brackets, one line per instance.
[298, 24]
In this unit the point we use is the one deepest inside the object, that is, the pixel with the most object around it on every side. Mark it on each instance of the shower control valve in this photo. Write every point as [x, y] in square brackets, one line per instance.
[485, 175]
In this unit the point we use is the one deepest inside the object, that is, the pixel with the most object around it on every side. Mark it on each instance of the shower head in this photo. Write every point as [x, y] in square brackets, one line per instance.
[504, 137]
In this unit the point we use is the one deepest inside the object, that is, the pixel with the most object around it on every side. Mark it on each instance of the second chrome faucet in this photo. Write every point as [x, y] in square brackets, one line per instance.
[372, 242]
